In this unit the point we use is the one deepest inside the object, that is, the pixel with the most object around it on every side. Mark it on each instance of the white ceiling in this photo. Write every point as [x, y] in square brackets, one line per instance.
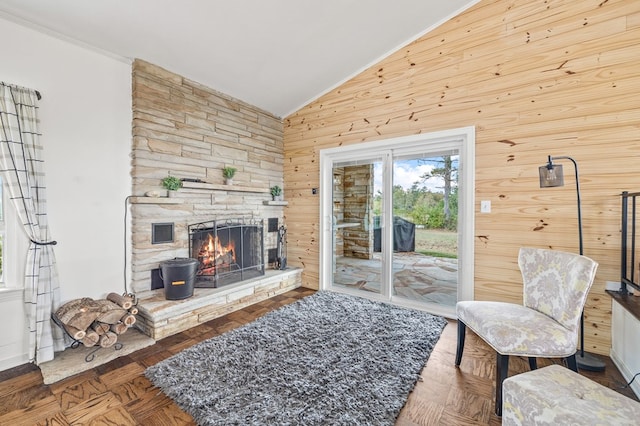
[275, 54]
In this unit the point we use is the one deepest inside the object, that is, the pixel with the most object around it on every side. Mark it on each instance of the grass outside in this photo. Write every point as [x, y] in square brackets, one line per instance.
[436, 242]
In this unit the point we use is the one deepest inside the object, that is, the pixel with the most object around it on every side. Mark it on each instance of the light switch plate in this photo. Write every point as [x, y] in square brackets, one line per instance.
[485, 206]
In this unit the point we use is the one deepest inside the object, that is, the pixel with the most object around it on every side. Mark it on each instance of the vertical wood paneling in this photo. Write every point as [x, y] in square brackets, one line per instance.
[535, 78]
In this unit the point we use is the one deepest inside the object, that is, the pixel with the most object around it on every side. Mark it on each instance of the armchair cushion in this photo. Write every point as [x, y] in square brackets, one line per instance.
[512, 329]
[556, 283]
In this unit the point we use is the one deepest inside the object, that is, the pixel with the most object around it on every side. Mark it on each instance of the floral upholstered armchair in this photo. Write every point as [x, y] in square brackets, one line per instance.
[547, 325]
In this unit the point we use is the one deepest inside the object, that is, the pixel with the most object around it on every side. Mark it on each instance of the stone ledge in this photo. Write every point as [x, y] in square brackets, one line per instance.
[159, 317]
[156, 200]
[218, 187]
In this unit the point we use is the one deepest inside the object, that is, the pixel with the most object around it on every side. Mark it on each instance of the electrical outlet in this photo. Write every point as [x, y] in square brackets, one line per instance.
[485, 206]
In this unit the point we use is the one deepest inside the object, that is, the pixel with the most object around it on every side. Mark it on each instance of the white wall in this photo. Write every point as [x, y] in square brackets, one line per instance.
[85, 118]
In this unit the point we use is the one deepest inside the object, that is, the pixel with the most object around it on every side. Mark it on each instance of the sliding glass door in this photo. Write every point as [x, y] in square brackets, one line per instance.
[425, 227]
[397, 222]
[357, 266]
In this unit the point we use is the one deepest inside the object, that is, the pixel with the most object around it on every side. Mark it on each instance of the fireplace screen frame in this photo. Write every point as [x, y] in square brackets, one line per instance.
[243, 230]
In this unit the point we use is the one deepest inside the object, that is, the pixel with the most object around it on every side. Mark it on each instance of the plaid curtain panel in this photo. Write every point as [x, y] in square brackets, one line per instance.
[22, 168]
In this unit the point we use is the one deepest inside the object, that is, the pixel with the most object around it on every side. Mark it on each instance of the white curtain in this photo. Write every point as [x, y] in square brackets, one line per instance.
[22, 168]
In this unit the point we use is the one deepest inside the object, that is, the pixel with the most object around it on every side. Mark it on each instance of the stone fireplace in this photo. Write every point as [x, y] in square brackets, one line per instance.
[190, 131]
[184, 129]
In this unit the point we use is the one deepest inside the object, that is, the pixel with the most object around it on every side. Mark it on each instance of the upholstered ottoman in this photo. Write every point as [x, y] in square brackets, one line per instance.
[555, 395]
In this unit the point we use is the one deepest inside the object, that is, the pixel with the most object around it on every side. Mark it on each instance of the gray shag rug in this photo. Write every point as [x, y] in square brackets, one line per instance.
[329, 358]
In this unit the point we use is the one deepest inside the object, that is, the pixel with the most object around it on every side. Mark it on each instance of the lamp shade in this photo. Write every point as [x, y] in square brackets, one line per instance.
[551, 175]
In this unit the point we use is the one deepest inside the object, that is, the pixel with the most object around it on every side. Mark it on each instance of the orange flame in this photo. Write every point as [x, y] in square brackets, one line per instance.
[213, 250]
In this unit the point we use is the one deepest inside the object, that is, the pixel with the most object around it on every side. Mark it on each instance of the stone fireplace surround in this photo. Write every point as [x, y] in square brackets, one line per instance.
[190, 131]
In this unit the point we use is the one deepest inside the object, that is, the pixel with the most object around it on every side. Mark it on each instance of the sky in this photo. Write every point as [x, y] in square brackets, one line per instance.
[407, 172]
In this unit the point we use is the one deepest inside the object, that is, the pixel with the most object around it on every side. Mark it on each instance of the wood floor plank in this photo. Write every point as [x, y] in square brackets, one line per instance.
[18, 383]
[23, 398]
[72, 396]
[169, 415]
[113, 364]
[119, 393]
[155, 358]
[20, 370]
[122, 375]
[92, 409]
[134, 389]
[421, 412]
[117, 416]
[469, 405]
[34, 412]
[146, 404]
[73, 381]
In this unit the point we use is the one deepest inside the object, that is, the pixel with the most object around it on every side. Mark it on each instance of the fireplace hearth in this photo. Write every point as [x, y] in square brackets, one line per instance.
[227, 251]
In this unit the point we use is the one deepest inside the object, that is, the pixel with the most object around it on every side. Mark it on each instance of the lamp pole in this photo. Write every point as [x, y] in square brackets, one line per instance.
[584, 360]
[575, 166]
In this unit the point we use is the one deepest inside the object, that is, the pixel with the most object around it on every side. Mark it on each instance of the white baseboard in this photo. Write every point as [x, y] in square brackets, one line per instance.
[626, 373]
[13, 361]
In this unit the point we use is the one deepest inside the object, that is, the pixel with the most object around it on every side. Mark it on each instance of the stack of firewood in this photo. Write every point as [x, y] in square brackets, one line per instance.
[97, 322]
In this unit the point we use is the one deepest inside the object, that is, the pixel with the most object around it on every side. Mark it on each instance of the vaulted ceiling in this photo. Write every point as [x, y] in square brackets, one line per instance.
[275, 54]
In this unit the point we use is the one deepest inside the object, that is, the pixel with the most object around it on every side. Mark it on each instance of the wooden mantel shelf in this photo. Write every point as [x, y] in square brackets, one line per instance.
[218, 187]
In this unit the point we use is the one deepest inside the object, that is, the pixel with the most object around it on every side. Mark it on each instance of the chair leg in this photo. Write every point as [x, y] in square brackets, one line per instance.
[533, 363]
[571, 363]
[461, 333]
[502, 369]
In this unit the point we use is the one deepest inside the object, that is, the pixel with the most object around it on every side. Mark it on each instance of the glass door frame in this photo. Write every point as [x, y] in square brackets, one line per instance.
[462, 139]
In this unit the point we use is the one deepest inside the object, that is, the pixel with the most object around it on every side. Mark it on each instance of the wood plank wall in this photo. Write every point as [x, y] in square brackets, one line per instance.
[535, 78]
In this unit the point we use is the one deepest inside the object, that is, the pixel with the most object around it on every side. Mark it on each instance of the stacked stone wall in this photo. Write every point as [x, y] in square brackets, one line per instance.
[187, 130]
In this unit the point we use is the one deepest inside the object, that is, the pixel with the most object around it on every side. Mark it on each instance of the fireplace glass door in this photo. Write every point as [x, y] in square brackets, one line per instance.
[227, 251]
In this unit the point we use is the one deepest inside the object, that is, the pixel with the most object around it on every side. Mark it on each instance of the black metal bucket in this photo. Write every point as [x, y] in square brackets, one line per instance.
[178, 276]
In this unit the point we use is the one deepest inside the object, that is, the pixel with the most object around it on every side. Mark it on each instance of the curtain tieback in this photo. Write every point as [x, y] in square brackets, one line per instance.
[44, 243]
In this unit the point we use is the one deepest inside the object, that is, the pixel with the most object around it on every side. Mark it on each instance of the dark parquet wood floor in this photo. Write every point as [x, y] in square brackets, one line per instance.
[117, 393]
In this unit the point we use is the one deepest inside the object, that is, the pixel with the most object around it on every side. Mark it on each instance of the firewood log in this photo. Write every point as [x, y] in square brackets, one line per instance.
[122, 301]
[100, 327]
[128, 320]
[91, 338]
[79, 313]
[119, 328]
[133, 311]
[74, 332]
[112, 313]
[224, 259]
[108, 339]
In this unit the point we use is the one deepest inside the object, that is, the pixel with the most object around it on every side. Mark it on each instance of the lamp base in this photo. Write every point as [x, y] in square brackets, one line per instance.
[589, 362]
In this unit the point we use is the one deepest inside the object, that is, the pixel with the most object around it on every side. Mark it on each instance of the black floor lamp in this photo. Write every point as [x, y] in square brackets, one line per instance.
[551, 175]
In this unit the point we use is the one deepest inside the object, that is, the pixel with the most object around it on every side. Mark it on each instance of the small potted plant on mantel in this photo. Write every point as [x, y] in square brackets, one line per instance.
[276, 193]
[228, 173]
[171, 184]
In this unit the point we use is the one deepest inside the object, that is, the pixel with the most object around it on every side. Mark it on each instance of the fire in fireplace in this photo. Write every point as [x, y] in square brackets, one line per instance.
[227, 251]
